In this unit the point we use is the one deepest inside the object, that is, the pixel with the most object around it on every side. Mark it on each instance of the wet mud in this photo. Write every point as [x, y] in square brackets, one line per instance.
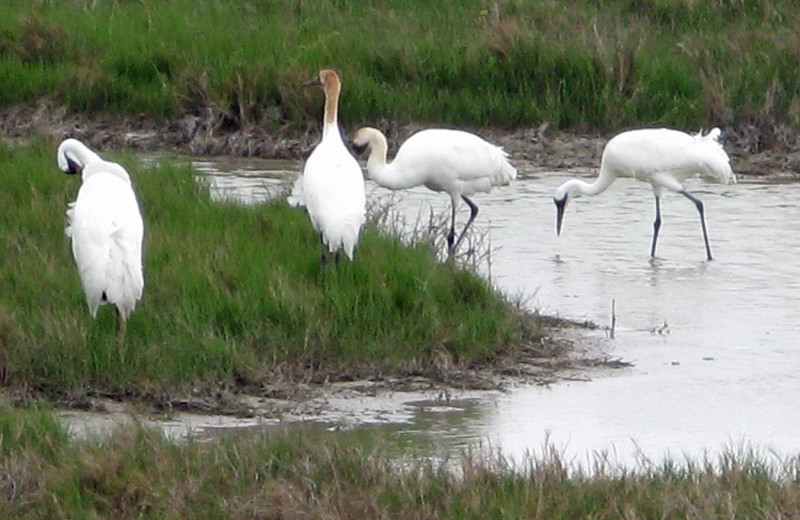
[565, 353]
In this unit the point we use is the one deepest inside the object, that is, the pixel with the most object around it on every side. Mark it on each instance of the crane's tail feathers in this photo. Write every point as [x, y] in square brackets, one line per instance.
[712, 154]
[510, 172]
[506, 172]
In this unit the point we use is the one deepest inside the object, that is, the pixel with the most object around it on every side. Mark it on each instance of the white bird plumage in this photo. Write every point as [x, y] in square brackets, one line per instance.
[105, 227]
[453, 161]
[331, 186]
[662, 157]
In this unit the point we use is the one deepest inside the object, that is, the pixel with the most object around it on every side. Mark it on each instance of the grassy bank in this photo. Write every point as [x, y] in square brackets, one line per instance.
[507, 63]
[137, 474]
[234, 295]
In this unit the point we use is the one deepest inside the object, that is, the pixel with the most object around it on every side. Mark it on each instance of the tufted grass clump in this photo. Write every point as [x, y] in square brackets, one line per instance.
[234, 295]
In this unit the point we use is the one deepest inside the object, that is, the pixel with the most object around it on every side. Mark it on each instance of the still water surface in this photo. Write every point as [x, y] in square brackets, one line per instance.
[714, 345]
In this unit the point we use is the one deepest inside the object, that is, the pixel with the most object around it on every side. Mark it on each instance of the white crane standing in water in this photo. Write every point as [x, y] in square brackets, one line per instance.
[331, 186]
[105, 227]
[662, 157]
[454, 161]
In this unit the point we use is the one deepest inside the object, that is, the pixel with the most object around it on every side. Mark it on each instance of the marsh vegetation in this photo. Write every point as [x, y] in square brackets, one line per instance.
[136, 473]
[602, 65]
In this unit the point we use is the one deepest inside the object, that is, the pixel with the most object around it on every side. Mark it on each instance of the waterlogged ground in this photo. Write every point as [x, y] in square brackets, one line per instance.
[713, 344]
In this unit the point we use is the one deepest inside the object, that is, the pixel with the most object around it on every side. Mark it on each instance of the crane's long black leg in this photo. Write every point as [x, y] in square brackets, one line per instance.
[699, 204]
[656, 227]
[473, 212]
[451, 233]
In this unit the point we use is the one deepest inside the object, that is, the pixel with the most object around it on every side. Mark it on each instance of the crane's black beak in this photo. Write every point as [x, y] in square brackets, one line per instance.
[560, 206]
[313, 82]
[359, 148]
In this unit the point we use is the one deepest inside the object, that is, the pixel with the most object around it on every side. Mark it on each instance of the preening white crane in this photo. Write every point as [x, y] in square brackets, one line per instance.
[453, 161]
[331, 186]
[662, 157]
[105, 227]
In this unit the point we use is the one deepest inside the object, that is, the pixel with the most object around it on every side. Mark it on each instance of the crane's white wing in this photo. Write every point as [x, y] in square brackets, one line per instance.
[106, 230]
[333, 193]
[455, 161]
[646, 152]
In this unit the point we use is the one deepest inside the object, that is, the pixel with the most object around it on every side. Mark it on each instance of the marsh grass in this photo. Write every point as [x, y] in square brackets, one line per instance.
[429, 227]
[309, 473]
[235, 295]
[474, 63]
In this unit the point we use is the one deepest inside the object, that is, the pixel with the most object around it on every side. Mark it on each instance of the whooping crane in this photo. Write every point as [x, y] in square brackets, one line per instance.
[662, 157]
[105, 227]
[454, 161]
[331, 186]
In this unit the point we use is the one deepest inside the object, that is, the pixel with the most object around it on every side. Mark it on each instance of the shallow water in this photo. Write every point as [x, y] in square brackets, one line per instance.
[716, 360]
[714, 347]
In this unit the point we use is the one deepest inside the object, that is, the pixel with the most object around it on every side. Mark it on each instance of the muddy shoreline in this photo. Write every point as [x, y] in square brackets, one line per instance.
[569, 352]
[757, 152]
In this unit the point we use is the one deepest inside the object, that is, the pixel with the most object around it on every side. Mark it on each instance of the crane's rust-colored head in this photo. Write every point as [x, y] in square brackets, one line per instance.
[328, 79]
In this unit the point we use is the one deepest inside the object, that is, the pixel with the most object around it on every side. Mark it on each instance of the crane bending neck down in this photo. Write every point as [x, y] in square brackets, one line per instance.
[105, 228]
[380, 170]
[444, 160]
[73, 156]
[662, 157]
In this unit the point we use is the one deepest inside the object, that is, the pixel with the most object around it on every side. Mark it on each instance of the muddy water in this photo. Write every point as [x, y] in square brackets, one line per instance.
[714, 344]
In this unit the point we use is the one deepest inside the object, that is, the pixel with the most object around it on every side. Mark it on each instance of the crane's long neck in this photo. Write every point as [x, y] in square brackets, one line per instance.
[384, 173]
[87, 156]
[330, 121]
[600, 184]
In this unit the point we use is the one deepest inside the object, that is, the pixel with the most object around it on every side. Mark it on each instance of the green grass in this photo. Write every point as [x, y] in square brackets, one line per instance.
[511, 63]
[306, 473]
[234, 294]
